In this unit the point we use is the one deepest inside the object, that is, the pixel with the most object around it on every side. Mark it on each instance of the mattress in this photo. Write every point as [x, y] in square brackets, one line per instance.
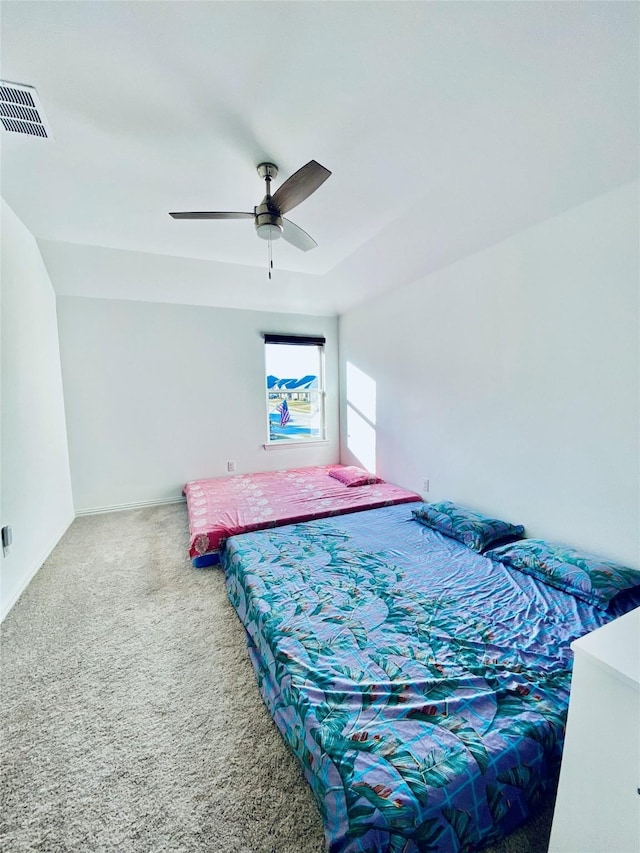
[222, 506]
[423, 687]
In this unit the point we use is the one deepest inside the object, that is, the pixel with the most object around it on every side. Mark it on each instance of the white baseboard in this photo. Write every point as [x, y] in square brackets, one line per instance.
[96, 510]
[39, 562]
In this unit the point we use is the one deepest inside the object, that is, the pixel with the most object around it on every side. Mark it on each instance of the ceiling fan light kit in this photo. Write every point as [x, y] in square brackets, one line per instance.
[268, 230]
[268, 218]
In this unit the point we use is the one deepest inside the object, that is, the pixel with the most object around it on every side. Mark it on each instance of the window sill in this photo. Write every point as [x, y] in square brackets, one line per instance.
[276, 445]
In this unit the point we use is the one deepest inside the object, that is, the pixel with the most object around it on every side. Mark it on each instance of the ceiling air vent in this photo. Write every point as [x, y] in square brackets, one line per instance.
[21, 112]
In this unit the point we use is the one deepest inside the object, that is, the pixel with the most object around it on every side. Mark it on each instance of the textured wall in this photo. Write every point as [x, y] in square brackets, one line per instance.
[157, 395]
[511, 379]
[36, 487]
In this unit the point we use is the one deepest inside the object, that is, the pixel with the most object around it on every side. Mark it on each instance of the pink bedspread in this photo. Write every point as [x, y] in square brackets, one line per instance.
[222, 506]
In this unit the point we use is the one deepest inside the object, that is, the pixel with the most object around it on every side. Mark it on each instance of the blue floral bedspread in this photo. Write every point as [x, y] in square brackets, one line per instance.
[423, 688]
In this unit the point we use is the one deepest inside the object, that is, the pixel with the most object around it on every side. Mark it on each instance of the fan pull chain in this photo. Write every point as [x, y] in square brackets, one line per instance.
[270, 259]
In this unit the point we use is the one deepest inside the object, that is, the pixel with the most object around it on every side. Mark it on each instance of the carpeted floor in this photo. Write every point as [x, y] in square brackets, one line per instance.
[130, 716]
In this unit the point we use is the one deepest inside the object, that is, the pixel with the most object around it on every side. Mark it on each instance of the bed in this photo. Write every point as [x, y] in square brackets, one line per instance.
[422, 686]
[222, 506]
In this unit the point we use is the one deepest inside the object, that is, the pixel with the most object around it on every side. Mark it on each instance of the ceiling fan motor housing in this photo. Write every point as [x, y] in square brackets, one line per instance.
[268, 221]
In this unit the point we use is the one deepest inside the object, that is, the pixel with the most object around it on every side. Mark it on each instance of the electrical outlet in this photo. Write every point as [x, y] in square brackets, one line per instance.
[425, 484]
[7, 539]
[231, 465]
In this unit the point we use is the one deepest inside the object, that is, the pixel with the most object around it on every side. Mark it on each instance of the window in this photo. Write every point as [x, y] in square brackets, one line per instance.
[295, 388]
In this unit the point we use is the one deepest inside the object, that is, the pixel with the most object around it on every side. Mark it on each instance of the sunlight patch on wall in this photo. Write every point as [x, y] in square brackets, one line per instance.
[361, 416]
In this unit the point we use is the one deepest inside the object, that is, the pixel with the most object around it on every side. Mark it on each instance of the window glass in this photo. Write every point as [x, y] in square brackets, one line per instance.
[295, 391]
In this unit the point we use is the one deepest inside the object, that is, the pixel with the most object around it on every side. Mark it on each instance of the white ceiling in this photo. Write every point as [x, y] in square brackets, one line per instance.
[448, 126]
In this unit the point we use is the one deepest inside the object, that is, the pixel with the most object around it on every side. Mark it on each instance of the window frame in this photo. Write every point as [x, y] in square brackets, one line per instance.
[319, 342]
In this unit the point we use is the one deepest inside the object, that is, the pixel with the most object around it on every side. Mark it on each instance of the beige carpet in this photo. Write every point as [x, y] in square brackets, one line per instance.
[130, 716]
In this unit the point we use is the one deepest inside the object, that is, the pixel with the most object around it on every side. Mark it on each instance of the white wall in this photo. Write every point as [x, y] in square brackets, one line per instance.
[511, 379]
[36, 485]
[157, 395]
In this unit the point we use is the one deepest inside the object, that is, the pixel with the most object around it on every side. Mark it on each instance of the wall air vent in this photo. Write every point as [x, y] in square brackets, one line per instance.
[21, 111]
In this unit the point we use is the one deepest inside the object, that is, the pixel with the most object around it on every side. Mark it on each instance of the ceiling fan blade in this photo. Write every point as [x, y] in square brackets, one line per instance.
[300, 186]
[210, 214]
[293, 234]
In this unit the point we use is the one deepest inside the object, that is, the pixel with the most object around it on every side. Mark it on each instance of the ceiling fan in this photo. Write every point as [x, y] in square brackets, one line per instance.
[268, 215]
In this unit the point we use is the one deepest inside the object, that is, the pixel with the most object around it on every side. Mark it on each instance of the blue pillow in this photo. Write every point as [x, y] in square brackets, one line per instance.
[587, 577]
[473, 529]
